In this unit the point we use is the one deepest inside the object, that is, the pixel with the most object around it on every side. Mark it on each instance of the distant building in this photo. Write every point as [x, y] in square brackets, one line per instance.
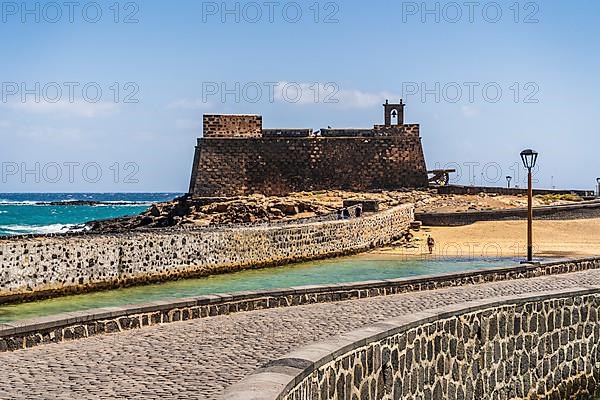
[236, 156]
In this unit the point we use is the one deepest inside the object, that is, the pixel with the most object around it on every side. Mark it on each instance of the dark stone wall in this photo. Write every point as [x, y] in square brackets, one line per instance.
[532, 348]
[277, 166]
[584, 210]
[348, 132]
[405, 130]
[287, 132]
[458, 189]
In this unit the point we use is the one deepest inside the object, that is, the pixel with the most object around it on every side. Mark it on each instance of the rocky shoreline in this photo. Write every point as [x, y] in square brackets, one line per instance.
[200, 211]
[191, 210]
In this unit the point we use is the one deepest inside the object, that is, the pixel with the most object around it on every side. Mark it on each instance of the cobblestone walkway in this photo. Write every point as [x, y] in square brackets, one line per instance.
[197, 359]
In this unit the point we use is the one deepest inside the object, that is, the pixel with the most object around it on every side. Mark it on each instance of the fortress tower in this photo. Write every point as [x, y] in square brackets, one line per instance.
[236, 156]
[393, 114]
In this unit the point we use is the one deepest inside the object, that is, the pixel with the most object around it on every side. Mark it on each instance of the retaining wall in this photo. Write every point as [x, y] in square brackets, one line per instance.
[458, 189]
[42, 266]
[74, 325]
[544, 346]
[562, 212]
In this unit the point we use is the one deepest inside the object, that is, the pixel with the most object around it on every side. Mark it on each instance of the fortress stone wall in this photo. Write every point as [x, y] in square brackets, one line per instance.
[39, 266]
[279, 161]
[277, 166]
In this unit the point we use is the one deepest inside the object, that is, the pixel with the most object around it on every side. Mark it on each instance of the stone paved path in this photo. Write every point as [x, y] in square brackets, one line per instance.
[197, 359]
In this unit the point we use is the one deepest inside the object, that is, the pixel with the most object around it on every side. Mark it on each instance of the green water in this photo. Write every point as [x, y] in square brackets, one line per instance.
[351, 269]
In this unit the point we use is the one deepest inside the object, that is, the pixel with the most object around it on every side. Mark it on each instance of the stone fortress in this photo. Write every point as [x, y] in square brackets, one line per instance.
[237, 156]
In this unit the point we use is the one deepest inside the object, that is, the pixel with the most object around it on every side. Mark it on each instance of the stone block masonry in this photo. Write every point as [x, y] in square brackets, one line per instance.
[286, 133]
[543, 346]
[277, 166]
[43, 266]
[232, 126]
[237, 157]
[458, 189]
[582, 210]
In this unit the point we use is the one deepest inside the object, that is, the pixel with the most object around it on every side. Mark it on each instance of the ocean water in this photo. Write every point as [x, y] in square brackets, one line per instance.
[26, 213]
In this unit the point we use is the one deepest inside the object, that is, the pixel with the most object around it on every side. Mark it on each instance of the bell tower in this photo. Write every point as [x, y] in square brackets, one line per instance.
[393, 114]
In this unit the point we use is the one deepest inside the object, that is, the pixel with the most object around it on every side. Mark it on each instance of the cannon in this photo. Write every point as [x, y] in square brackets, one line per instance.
[441, 177]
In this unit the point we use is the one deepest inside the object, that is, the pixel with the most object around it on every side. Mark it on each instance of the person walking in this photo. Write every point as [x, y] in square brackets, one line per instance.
[430, 243]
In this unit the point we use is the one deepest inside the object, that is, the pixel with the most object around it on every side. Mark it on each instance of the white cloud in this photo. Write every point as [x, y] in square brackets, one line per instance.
[190, 104]
[359, 99]
[145, 135]
[188, 124]
[470, 112]
[77, 108]
[5, 123]
[328, 93]
[49, 134]
[298, 93]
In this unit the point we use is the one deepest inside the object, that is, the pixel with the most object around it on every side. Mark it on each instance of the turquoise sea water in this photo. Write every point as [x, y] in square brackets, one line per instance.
[350, 269]
[24, 213]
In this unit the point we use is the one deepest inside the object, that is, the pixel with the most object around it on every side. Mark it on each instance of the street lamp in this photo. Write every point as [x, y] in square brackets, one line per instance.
[508, 179]
[529, 158]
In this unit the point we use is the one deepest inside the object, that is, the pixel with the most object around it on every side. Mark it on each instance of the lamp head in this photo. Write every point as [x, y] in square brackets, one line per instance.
[529, 158]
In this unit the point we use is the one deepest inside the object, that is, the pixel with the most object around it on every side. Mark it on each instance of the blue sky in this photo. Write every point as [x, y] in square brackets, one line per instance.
[159, 72]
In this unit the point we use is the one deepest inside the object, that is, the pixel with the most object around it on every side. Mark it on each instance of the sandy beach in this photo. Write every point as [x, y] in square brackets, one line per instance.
[570, 238]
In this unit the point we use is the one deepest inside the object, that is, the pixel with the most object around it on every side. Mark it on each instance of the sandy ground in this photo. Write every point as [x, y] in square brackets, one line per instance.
[570, 238]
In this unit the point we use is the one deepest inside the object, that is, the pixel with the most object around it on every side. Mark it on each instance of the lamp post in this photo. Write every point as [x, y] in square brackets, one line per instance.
[529, 158]
[508, 179]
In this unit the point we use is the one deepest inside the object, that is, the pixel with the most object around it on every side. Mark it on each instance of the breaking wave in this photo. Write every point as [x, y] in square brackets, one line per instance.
[40, 229]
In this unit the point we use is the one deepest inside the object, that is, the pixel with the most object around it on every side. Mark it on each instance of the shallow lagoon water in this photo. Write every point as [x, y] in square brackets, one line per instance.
[338, 270]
